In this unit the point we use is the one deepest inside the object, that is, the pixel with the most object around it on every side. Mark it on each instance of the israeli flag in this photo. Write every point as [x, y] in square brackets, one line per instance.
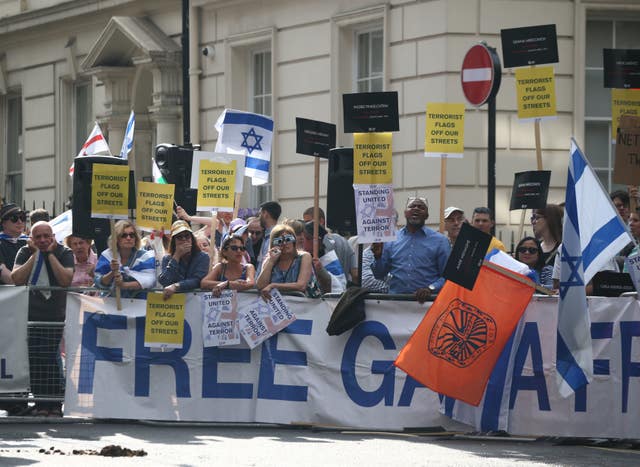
[127, 143]
[249, 134]
[332, 264]
[593, 233]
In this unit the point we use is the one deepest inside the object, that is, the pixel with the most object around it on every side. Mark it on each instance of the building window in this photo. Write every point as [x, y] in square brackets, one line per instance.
[369, 60]
[603, 34]
[261, 88]
[260, 96]
[13, 171]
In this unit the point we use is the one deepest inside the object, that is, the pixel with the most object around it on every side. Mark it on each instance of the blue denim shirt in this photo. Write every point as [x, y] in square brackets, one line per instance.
[414, 261]
[188, 275]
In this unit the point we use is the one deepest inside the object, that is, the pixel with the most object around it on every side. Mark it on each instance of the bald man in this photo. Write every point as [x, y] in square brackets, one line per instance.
[42, 262]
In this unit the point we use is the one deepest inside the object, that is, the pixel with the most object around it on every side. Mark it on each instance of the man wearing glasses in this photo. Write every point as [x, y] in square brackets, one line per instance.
[12, 238]
[416, 259]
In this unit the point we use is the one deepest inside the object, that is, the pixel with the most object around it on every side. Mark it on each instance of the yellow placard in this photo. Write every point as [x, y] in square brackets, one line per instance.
[154, 206]
[444, 132]
[216, 185]
[110, 191]
[623, 102]
[372, 162]
[164, 323]
[536, 91]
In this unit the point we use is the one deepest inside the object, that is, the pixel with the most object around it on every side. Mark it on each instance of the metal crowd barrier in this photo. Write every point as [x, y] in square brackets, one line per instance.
[47, 353]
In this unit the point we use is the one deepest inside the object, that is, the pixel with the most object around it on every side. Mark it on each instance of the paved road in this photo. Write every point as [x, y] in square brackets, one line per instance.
[21, 444]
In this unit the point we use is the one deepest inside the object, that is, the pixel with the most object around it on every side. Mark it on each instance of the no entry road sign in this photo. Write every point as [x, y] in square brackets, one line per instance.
[481, 74]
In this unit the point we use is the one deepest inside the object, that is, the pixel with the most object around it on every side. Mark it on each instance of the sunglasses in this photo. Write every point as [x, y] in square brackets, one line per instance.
[536, 217]
[183, 236]
[235, 248]
[16, 217]
[254, 232]
[128, 235]
[527, 249]
[284, 239]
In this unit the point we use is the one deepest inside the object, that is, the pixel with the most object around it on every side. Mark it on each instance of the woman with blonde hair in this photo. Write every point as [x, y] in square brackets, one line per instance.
[231, 272]
[130, 268]
[285, 268]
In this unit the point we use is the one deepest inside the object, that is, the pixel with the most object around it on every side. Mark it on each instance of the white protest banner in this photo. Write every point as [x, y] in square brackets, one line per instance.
[375, 215]
[220, 319]
[303, 375]
[263, 319]
[14, 356]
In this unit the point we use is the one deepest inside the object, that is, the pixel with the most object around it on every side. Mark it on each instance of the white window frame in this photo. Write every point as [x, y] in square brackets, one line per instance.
[343, 62]
[589, 13]
[239, 81]
[356, 56]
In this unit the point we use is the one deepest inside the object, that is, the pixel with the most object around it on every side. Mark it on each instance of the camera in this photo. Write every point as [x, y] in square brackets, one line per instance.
[208, 51]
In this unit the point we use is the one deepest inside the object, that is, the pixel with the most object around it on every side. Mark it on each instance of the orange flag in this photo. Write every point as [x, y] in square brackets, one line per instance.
[457, 344]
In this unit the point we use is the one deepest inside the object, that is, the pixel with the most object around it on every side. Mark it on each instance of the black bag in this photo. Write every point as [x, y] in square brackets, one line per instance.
[348, 312]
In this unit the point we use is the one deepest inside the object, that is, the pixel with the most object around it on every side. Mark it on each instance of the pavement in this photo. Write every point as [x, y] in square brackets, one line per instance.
[70, 442]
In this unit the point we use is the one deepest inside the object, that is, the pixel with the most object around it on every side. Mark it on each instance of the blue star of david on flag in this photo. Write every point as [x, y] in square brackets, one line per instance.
[575, 276]
[256, 140]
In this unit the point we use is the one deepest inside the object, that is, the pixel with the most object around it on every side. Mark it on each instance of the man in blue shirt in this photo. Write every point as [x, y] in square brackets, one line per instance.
[416, 259]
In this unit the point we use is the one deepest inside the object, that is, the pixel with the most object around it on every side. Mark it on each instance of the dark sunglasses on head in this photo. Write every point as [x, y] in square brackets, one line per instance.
[527, 249]
[235, 248]
[15, 218]
[284, 239]
[128, 235]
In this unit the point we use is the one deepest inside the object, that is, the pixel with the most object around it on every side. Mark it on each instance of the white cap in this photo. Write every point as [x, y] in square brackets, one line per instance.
[450, 210]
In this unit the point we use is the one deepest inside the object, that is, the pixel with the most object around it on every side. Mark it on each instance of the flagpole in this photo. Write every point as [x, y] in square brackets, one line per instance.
[213, 249]
[113, 245]
[316, 202]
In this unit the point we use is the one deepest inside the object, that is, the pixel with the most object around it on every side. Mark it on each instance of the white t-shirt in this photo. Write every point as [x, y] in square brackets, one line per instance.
[610, 265]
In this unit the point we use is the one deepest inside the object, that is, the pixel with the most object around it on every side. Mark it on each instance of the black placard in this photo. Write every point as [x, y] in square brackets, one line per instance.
[621, 68]
[466, 256]
[314, 138]
[531, 45]
[530, 190]
[612, 284]
[370, 112]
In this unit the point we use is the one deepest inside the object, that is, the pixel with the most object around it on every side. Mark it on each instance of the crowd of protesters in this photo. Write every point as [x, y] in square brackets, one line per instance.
[263, 252]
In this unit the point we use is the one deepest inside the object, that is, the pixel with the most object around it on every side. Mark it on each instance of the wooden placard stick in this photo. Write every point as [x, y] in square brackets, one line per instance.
[443, 185]
[113, 246]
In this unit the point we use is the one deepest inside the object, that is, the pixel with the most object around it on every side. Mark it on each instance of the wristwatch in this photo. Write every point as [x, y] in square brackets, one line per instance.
[432, 288]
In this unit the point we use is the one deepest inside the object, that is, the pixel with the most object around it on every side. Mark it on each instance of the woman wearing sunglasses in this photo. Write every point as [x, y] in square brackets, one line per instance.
[185, 265]
[132, 269]
[285, 268]
[231, 272]
[529, 252]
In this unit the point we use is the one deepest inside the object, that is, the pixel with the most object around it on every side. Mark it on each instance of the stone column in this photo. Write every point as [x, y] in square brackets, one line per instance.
[166, 110]
[117, 85]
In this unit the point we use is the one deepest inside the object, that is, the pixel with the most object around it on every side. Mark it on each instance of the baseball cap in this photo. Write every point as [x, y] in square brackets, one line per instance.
[450, 210]
[180, 226]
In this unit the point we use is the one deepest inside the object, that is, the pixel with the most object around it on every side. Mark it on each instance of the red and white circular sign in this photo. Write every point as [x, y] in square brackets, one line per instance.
[478, 75]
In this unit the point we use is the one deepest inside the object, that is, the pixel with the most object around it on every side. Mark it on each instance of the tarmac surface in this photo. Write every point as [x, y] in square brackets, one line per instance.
[49, 441]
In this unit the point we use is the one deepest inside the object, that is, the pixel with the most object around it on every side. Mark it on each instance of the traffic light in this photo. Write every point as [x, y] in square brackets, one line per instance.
[174, 163]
